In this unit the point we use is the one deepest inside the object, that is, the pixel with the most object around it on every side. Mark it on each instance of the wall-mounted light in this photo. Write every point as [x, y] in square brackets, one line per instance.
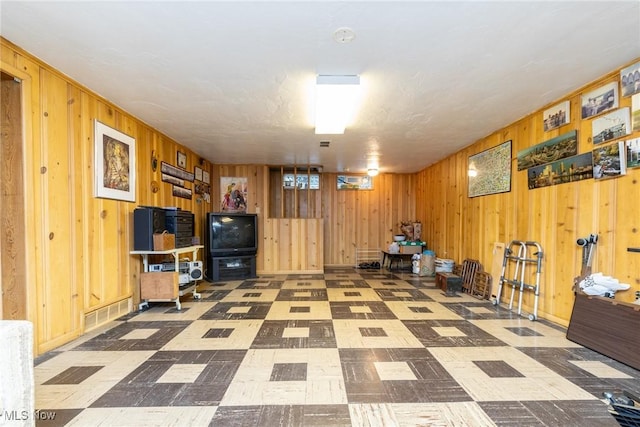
[336, 99]
[372, 171]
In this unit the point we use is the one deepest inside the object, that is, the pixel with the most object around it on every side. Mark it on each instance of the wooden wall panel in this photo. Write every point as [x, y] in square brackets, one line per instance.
[60, 299]
[553, 216]
[365, 219]
[78, 245]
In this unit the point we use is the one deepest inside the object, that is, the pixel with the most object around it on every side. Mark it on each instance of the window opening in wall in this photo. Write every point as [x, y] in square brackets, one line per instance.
[312, 181]
[293, 192]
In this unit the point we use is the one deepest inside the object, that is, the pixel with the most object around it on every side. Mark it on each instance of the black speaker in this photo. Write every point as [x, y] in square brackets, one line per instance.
[146, 222]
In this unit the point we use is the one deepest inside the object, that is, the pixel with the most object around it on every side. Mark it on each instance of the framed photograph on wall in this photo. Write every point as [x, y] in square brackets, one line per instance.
[115, 164]
[630, 80]
[197, 172]
[603, 99]
[354, 182]
[608, 161]
[565, 145]
[633, 153]
[556, 116]
[635, 112]
[611, 126]
[182, 160]
[568, 169]
[490, 171]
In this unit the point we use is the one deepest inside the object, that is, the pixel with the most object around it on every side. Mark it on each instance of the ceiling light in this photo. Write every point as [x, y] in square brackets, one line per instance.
[336, 97]
[372, 172]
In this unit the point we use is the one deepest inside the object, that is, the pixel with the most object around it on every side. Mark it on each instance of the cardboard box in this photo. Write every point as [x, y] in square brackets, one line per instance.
[411, 247]
[405, 249]
[159, 285]
[164, 241]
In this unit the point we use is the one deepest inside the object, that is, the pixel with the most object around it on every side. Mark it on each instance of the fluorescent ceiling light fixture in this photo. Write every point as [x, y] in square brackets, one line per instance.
[336, 98]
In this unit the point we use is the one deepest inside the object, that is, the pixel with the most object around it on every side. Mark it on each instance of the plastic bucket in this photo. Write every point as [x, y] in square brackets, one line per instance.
[444, 265]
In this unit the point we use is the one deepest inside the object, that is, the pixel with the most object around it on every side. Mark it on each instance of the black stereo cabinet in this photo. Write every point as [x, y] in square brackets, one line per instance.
[231, 267]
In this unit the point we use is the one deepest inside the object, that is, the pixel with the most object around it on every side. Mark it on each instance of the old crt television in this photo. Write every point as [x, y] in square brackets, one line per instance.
[229, 234]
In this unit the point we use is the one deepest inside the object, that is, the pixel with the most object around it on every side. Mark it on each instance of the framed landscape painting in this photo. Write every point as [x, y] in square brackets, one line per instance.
[569, 169]
[557, 148]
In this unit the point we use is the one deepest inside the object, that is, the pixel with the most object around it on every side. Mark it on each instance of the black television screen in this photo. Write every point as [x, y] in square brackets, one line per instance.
[232, 234]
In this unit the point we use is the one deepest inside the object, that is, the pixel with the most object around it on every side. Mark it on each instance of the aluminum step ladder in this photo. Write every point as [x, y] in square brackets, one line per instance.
[519, 257]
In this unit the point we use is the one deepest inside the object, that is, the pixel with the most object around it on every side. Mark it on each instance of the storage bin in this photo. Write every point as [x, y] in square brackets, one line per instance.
[159, 285]
[164, 241]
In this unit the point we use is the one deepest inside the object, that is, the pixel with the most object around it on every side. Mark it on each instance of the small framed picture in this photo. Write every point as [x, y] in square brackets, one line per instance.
[556, 116]
[198, 173]
[630, 80]
[182, 160]
[603, 99]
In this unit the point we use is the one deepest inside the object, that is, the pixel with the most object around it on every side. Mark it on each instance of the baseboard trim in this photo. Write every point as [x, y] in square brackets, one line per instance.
[105, 314]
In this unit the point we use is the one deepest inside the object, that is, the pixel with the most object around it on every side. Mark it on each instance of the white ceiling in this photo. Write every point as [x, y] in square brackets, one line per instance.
[232, 80]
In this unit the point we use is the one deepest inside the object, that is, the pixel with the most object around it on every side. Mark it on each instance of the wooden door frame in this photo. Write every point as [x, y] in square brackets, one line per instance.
[26, 81]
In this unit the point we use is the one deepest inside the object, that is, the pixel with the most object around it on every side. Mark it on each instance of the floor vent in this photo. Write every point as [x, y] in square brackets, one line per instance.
[106, 314]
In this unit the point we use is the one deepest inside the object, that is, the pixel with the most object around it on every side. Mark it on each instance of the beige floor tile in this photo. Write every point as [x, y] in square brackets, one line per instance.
[348, 334]
[182, 373]
[281, 310]
[116, 365]
[550, 337]
[360, 309]
[599, 369]
[459, 414]
[295, 333]
[372, 415]
[252, 386]
[402, 310]
[158, 313]
[241, 309]
[448, 331]
[192, 337]
[145, 417]
[388, 371]
[139, 334]
[537, 383]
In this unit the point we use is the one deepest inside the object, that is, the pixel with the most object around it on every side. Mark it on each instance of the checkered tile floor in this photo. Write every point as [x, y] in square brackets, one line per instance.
[347, 348]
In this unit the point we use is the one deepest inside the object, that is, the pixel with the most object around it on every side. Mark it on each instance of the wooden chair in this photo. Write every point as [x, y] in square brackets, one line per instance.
[469, 269]
[481, 288]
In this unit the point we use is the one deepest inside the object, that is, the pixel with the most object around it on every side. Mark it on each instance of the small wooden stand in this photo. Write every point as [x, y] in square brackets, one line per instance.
[449, 283]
